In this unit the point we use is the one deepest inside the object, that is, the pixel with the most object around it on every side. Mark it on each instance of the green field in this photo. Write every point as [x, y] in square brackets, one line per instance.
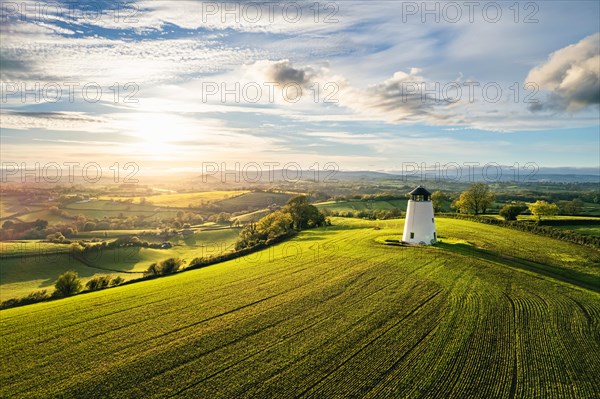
[99, 209]
[104, 234]
[254, 201]
[29, 266]
[489, 313]
[22, 247]
[586, 225]
[252, 216]
[355, 206]
[586, 230]
[183, 200]
[20, 276]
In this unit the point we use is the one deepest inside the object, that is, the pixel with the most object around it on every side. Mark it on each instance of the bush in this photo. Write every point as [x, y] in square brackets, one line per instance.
[34, 297]
[67, 284]
[170, 265]
[153, 270]
[167, 266]
[542, 208]
[98, 283]
[117, 281]
[511, 211]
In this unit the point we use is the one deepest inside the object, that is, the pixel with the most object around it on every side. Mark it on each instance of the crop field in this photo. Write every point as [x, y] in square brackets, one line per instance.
[334, 312]
[355, 206]
[587, 225]
[25, 247]
[98, 209]
[252, 216]
[183, 200]
[9, 207]
[254, 201]
[29, 266]
[107, 234]
[591, 208]
[582, 229]
[35, 213]
[20, 276]
[101, 208]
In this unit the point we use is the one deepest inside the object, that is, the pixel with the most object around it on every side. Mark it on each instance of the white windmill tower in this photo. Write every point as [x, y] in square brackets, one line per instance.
[419, 224]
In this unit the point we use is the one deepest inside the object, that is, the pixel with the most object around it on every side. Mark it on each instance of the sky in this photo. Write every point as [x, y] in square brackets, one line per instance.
[175, 85]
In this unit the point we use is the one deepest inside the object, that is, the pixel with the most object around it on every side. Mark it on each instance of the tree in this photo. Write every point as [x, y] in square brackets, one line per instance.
[297, 214]
[170, 265]
[477, 199]
[275, 224]
[303, 214]
[55, 237]
[543, 208]
[67, 284]
[438, 198]
[574, 207]
[98, 283]
[223, 217]
[8, 224]
[117, 281]
[80, 222]
[40, 224]
[167, 266]
[511, 211]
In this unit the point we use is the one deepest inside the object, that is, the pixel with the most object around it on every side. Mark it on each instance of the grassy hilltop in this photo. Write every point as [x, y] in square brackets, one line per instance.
[489, 313]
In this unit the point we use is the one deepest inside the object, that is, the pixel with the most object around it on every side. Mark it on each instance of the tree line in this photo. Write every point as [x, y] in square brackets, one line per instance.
[296, 215]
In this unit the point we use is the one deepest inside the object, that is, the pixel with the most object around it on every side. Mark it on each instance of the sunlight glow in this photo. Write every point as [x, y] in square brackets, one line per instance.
[158, 134]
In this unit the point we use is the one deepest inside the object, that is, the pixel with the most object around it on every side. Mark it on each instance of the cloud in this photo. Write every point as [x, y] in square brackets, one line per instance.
[284, 72]
[285, 17]
[571, 75]
[65, 121]
[399, 98]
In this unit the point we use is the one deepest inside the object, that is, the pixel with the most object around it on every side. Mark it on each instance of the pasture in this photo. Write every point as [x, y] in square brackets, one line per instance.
[253, 201]
[333, 312]
[184, 200]
[29, 266]
[356, 206]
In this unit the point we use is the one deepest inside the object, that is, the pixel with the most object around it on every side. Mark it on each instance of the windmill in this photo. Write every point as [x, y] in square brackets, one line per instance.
[419, 225]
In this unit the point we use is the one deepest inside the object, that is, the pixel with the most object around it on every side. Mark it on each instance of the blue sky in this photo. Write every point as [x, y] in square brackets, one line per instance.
[382, 83]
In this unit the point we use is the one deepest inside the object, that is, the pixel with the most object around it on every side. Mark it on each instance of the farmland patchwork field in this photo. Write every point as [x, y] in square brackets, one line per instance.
[152, 208]
[489, 313]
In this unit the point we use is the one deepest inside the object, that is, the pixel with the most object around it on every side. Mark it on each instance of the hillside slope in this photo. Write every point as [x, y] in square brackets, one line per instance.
[334, 312]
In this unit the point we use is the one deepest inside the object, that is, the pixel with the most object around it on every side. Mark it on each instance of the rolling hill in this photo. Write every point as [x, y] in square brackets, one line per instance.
[335, 312]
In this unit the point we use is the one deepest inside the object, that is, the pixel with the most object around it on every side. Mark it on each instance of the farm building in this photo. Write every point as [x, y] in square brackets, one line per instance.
[419, 225]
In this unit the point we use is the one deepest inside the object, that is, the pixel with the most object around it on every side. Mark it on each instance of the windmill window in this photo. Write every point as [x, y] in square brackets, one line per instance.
[432, 220]
[412, 235]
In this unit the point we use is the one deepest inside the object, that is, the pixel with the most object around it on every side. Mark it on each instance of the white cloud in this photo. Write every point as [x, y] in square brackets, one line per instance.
[572, 75]
[58, 121]
[274, 17]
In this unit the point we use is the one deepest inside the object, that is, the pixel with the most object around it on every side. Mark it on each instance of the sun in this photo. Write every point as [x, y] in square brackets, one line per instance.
[156, 134]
